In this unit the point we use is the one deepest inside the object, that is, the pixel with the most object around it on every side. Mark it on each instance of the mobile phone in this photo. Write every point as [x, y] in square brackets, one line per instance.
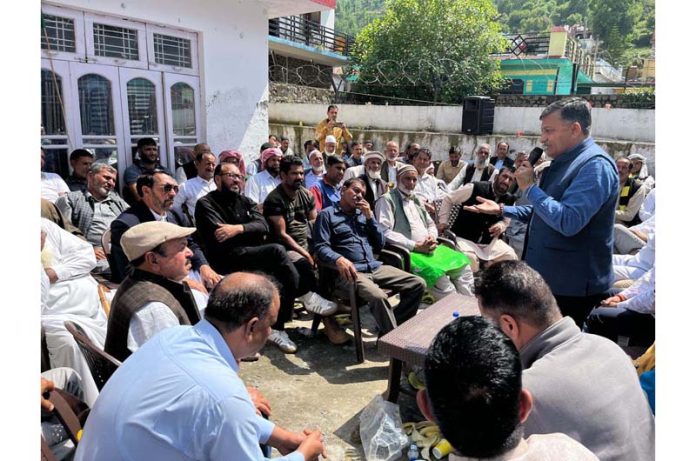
[535, 155]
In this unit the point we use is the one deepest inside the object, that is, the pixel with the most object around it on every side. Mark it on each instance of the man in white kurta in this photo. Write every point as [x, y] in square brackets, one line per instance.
[262, 183]
[193, 189]
[69, 293]
[423, 233]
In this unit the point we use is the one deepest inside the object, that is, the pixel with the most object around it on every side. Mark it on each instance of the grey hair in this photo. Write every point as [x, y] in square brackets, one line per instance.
[97, 167]
[571, 110]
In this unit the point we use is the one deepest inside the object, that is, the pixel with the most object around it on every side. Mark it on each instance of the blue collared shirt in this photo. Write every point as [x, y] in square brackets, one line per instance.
[177, 398]
[587, 193]
[337, 234]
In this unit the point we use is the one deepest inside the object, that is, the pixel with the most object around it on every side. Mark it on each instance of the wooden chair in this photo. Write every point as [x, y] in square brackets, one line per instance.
[68, 419]
[328, 274]
[101, 364]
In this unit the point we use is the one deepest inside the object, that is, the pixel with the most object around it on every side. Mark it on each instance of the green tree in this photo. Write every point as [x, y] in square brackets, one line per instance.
[435, 50]
[613, 22]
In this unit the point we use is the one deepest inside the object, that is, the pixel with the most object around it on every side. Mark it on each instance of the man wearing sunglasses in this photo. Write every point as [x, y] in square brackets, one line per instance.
[157, 191]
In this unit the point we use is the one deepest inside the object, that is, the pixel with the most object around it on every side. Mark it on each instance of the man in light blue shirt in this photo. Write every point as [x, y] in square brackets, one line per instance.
[179, 397]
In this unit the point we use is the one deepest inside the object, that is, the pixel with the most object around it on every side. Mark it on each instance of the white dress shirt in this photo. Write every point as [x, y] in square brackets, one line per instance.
[52, 186]
[427, 189]
[260, 185]
[189, 193]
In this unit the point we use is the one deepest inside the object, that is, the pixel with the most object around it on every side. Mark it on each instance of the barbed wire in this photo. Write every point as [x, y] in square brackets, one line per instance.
[391, 74]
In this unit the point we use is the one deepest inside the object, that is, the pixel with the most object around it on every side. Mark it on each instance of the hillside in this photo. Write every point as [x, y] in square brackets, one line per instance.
[628, 25]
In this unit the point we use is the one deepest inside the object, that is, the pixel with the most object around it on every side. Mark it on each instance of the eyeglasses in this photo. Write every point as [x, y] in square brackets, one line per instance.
[170, 187]
[231, 175]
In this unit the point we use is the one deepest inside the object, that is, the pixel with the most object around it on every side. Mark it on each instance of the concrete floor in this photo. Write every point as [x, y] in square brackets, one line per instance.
[322, 385]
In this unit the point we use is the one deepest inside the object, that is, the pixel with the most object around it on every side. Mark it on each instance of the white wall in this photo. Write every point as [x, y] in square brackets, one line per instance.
[634, 125]
[233, 55]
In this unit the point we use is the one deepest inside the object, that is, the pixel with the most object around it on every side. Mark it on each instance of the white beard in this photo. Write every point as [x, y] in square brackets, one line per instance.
[319, 171]
[372, 174]
[406, 192]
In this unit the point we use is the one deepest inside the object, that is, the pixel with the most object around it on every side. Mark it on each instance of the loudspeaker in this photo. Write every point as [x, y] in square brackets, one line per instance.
[477, 115]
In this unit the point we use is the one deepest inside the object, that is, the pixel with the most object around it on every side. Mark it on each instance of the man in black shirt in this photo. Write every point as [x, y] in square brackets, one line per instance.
[290, 209]
[233, 234]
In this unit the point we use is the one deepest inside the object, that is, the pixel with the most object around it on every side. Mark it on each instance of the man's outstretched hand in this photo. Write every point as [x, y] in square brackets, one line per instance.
[484, 206]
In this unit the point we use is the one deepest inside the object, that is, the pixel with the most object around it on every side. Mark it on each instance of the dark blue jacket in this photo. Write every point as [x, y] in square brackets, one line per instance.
[571, 230]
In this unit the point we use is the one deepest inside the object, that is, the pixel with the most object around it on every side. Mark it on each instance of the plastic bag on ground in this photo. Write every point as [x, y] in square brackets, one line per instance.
[381, 434]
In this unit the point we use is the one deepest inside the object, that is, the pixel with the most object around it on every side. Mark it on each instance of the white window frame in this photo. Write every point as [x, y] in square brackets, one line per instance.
[62, 70]
[78, 70]
[79, 23]
[162, 30]
[91, 19]
[154, 77]
[169, 80]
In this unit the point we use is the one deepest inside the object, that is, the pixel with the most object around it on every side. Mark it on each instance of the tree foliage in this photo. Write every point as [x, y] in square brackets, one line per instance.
[353, 15]
[614, 22]
[435, 50]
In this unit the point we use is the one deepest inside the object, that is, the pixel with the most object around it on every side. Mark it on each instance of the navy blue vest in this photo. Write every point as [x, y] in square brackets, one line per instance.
[580, 264]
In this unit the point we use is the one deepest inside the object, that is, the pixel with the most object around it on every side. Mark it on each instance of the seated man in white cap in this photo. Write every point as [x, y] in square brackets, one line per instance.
[408, 224]
[376, 186]
[631, 194]
[330, 147]
[316, 171]
[262, 183]
[154, 296]
[640, 171]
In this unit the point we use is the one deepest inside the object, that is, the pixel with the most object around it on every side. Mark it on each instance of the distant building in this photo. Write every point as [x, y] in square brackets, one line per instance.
[114, 71]
[545, 63]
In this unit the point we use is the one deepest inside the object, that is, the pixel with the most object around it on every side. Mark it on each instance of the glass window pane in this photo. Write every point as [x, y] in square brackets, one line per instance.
[183, 153]
[142, 107]
[172, 51]
[52, 121]
[96, 110]
[183, 110]
[57, 34]
[56, 161]
[115, 42]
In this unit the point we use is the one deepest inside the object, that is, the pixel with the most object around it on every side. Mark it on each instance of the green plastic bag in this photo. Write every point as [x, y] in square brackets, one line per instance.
[433, 266]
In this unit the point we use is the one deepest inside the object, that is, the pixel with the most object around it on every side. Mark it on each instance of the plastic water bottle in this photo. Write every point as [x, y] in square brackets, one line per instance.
[413, 452]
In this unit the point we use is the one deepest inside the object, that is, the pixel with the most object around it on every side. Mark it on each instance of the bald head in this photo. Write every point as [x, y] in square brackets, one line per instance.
[241, 297]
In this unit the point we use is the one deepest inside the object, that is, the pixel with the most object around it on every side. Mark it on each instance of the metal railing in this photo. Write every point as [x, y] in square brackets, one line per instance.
[310, 33]
[531, 44]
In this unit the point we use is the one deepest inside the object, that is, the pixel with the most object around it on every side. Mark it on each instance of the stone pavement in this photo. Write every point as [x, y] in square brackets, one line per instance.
[321, 385]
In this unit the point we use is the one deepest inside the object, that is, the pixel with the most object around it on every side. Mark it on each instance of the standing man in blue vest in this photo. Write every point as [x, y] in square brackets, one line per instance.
[571, 211]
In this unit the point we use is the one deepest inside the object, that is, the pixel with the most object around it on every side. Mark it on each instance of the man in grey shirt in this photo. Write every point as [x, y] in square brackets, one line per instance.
[93, 210]
[583, 385]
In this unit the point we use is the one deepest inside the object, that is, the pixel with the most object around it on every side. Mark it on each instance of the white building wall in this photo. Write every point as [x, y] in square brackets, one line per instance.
[328, 19]
[636, 125]
[233, 55]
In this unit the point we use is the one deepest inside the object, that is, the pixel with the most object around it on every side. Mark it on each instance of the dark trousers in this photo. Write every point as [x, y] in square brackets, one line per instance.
[578, 307]
[308, 279]
[271, 259]
[634, 328]
[370, 284]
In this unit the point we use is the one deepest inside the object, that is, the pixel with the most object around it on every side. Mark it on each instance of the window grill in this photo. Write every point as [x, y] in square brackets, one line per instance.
[172, 51]
[115, 42]
[51, 114]
[60, 32]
